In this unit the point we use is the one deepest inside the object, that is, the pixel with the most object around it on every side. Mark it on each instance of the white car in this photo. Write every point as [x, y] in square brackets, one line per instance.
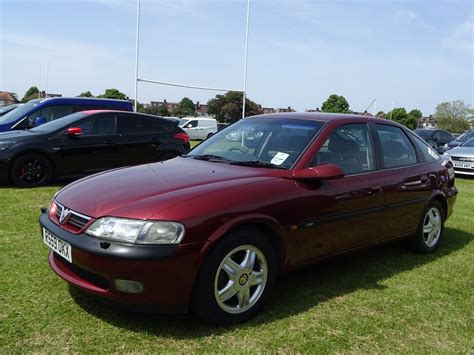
[199, 127]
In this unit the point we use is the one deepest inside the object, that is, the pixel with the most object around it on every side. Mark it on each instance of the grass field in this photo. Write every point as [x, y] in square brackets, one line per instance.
[382, 300]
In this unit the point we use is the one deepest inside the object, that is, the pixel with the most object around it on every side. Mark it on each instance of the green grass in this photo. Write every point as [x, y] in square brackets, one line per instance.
[382, 300]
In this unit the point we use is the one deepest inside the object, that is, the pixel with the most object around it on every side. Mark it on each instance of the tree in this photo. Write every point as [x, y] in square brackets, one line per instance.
[401, 116]
[185, 108]
[452, 116]
[85, 94]
[381, 114]
[160, 110]
[113, 94]
[415, 113]
[31, 93]
[228, 107]
[335, 104]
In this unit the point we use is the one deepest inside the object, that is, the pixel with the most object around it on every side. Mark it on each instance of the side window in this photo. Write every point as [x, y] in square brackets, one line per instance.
[78, 108]
[32, 117]
[350, 148]
[191, 124]
[61, 111]
[46, 113]
[446, 137]
[437, 137]
[427, 153]
[128, 124]
[85, 126]
[103, 125]
[397, 149]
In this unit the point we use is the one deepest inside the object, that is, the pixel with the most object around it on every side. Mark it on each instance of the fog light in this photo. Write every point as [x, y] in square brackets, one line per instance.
[128, 286]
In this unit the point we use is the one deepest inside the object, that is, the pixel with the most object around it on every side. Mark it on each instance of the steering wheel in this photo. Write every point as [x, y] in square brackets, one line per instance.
[235, 149]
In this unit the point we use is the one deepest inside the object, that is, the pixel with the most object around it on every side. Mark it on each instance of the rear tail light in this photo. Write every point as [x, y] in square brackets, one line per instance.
[182, 136]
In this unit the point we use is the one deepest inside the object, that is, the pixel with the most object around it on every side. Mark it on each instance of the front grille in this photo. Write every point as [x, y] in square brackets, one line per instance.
[75, 219]
[463, 159]
[467, 170]
[94, 279]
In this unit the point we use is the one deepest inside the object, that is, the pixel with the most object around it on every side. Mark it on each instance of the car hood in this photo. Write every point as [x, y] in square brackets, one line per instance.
[145, 190]
[462, 152]
[15, 135]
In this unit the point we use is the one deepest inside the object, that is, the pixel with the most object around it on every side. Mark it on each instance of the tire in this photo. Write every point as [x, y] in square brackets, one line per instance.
[31, 170]
[228, 270]
[427, 238]
[209, 135]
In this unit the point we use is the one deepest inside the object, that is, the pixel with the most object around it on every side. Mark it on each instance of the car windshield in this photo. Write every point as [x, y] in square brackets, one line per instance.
[59, 123]
[8, 108]
[182, 122]
[469, 143]
[19, 112]
[260, 142]
[423, 133]
[465, 136]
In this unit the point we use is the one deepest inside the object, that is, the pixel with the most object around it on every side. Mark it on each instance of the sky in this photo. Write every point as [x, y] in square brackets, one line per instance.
[413, 54]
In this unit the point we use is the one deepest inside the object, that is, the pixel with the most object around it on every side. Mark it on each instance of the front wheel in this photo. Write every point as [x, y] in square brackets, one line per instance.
[236, 279]
[430, 230]
[31, 170]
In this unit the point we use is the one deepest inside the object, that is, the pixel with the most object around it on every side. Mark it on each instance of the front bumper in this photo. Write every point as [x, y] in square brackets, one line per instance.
[167, 272]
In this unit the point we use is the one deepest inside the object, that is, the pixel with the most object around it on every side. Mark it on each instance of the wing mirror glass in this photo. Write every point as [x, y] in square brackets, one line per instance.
[74, 132]
[321, 172]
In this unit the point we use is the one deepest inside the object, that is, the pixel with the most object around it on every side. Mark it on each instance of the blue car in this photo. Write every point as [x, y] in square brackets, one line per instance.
[39, 111]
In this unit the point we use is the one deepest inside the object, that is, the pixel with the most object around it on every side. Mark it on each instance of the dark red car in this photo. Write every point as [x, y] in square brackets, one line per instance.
[211, 230]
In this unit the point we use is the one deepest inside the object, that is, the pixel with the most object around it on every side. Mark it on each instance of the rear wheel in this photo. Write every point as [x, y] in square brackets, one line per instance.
[430, 230]
[236, 279]
[209, 135]
[31, 170]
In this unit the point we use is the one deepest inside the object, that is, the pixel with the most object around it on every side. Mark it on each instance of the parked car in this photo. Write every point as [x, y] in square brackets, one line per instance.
[462, 157]
[199, 127]
[436, 138]
[87, 142]
[39, 111]
[4, 110]
[459, 140]
[211, 230]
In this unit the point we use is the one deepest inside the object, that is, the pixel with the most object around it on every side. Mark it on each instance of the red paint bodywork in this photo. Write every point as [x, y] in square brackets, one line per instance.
[211, 198]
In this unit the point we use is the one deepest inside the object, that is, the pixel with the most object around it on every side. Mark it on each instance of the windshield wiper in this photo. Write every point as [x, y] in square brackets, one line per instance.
[256, 163]
[206, 157]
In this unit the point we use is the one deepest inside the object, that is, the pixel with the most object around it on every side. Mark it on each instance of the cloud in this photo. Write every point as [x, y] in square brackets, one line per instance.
[461, 37]
[405, 15]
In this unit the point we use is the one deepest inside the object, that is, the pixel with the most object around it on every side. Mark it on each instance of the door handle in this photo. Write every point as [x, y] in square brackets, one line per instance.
[411, 184]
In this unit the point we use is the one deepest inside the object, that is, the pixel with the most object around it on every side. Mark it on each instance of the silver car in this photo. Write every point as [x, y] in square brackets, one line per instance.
[462, 157]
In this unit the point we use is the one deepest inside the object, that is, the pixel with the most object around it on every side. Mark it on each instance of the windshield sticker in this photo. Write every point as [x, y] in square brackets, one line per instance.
[279, 158]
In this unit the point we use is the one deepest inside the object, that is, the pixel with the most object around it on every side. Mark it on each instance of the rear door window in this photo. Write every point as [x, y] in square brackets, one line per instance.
[103, 125]
[397, 150]
[130, 124]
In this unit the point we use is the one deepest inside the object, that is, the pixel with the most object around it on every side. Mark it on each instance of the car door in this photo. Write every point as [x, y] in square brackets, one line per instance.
[347, 213]
[91, 152]
[138, 139]
[407, 182]
[191, 129]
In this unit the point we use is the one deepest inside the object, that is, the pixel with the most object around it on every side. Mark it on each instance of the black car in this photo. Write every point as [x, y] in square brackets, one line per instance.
[436, 138]
[87, 142]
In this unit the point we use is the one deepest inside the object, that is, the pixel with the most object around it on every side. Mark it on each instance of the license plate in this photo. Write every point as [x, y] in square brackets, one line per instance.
[58, 245]
[462, 165]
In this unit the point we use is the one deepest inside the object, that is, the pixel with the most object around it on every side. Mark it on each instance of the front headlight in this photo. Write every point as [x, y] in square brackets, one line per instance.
[6, 145]
[137, 231]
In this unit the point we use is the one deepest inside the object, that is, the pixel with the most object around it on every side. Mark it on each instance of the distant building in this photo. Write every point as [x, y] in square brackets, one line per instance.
[427, 122]
[281, 110]
[7, 98]
[169, 105]
[201, 109]
[266, 110]
[313, 110]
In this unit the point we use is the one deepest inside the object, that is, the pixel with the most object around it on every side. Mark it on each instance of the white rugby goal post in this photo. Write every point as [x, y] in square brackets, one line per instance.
[159, 82]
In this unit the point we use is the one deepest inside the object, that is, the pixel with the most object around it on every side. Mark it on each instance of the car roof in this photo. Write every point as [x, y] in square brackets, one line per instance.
[323, 117]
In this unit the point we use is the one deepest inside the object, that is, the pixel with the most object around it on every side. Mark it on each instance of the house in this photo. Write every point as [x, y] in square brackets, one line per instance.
[7, 98]
[427, 122]
[289, 109]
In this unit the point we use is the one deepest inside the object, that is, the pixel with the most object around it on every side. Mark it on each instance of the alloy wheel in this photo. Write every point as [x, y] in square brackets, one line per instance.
[432, 227]
[240, 279]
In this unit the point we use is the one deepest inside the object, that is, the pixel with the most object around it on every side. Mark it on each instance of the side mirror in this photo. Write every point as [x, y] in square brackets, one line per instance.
[39, 121]
[188, 126]
[74, 132]
[321, 172]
